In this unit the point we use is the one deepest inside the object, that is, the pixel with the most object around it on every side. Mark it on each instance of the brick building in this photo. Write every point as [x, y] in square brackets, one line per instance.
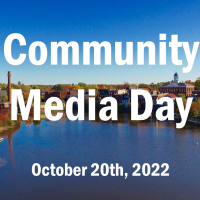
[117, 94]
[177, 88]
[63, 95]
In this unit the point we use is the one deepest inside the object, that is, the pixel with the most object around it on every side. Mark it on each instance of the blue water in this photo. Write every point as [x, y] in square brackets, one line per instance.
[81, 143]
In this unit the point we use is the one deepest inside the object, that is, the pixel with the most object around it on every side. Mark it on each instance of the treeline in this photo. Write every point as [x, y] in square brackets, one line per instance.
[86, 87]
[194, 109]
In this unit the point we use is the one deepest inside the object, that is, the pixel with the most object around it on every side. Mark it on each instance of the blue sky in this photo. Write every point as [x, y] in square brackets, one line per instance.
[76, 20]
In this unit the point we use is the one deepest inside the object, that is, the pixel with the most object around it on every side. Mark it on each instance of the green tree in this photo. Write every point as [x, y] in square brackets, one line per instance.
[58, 87]
[182, 96]
[84, 86]
[197, 83]
[35, 87]
[5, 99]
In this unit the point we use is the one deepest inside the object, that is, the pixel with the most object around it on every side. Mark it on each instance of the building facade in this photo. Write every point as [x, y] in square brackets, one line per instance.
[63, 95]
[177, 88]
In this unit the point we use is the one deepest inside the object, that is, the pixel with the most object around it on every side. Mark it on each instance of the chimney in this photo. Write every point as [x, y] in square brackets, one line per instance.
[9, 87]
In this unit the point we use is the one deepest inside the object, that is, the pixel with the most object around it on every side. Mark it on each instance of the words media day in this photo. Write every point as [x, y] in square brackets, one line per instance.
[34, 98]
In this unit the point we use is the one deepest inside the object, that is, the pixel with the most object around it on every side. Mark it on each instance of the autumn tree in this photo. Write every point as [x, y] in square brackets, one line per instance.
[142, 85]
[75, 87]
[93, 87]
[126, 84]
[119, 87]
[157, 86]
[25, 88]
[26, 95]
[101, 86]
[190, 82]
[66, 87]
[194, 111]
[134, 85]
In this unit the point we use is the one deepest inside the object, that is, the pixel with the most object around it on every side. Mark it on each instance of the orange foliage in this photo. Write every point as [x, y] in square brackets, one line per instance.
[5, 114]
[190, 82]
[67, 87]
[126, 84]
[101, 86]
[194, 111]
[26, 95]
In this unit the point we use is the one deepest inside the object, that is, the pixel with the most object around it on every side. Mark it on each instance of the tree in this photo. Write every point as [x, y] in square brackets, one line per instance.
[194, 111]
[152, 84]
[4, 99]
[93, 87]
[67, 87]
[111, 87]
[197, 83]
[182, 96]
[101, 86]
[157, 86]
[58, 87]
[142, 85]
[119, 87]
[25, 88]
[76, 87]
[16, 86]
[82, 84]
[35, 87]
[126, 84]
[134, 85]
[198, 104]
[37, 122]
[42, 98]
[190, 82]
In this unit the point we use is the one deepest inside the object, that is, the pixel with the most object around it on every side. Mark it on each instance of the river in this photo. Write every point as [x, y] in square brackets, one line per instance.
[81, 143]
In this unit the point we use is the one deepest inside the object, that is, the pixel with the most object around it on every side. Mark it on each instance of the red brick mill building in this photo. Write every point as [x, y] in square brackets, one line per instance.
[177, 88]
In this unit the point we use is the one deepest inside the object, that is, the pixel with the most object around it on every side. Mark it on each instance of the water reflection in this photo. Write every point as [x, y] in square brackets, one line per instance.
[123, 118]
[9, 134]
[2, 162]
[81, 143]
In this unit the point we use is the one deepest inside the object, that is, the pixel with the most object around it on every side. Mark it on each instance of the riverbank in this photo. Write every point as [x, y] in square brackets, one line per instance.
[190, 120]
[6, 123]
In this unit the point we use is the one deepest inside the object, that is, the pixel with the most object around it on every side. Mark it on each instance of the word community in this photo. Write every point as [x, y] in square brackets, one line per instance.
[174, 45]
[17, 98]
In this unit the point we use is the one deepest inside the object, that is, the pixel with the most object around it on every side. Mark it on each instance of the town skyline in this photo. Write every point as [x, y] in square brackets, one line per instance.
[164, 80]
